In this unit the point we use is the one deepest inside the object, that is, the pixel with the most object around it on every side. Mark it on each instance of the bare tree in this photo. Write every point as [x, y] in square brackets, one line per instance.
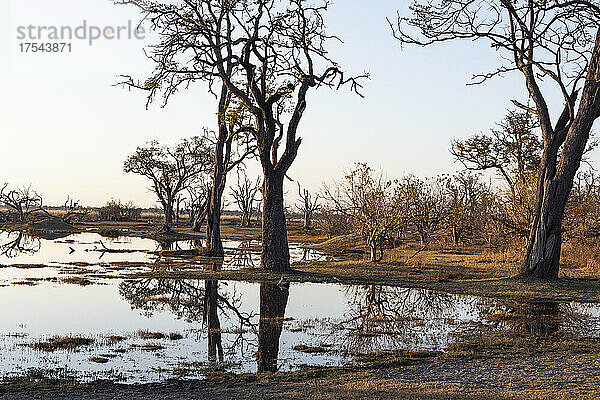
[22, 201]
[171, 169]
[197, 204]
[72, 209]
[233, 146]
[244, 196]
[308, 206]
[554, 41]
[261, 52]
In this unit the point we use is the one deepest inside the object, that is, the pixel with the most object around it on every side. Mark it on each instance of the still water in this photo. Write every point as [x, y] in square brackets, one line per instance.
[144, 330]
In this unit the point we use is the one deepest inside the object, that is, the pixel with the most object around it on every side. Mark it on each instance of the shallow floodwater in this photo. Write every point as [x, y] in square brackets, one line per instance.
[18, 248]
[86, 247]
[238, 326]
[144, 330]
[242, 326]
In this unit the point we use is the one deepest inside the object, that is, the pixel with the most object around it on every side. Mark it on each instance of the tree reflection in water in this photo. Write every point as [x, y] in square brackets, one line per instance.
[244, 256]
[18, 243]
[210, 317]
[383, 317]
[544, 318]
[168, 244]
[273, 301]
[193, 300]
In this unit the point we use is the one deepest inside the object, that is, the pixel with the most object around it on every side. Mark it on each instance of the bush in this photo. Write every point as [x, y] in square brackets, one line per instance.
[114, 210]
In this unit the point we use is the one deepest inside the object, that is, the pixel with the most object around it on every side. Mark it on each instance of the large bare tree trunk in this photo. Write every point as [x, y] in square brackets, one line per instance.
[273, 301]
[555, 179]
[213, 227]
[542, 259]
[221, 162]
[275, 253]
[168, 209]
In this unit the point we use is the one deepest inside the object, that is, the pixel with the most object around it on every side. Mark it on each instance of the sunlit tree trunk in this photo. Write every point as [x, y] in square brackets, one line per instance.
[275, 253]
[221, 161]
[555, 178]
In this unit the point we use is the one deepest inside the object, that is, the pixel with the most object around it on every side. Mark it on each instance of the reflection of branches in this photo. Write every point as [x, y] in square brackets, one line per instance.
[542, 318]
[381, 317]
[242, 257]
[20, 244]
[300, 254]
[247, 255]
[193, 300]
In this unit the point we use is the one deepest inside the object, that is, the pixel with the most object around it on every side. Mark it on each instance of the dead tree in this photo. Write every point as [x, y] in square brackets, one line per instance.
[554, 41]
[261, 53]
[21, 202]
[197, 204]
[170, 169]
[244, 196]
[232, 146]
[308, 206]
[72, 209]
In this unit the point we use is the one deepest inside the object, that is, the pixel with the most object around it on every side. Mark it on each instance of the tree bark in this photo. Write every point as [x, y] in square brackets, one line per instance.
[221, 164]
[213, 227]
[455, 236]
[542, 258]
[307, 220]
[423, 237]
[168, 209]
[275, 253]
[555, 179]
[373, 248]
[199, 219]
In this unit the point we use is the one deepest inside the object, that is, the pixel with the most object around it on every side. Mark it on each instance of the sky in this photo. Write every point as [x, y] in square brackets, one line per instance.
[66, 127]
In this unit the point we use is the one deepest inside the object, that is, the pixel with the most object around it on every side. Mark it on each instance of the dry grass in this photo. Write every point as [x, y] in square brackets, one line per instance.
[151, 347]
[116, 339]
[99, 360]
[76, 280]
[62, 343]
[581, 259]
[145, 334]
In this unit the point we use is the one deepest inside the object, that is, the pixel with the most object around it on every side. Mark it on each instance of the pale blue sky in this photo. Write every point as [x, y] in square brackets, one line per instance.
[67, 130]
